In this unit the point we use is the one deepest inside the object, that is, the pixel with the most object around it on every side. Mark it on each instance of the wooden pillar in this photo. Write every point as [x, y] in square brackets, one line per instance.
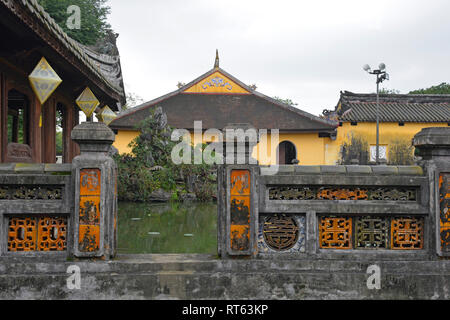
[49, 132]
[3, 118]
[35, 130]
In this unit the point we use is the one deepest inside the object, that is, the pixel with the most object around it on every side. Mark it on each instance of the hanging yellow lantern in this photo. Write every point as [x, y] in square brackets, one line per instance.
[44, 80]
[107, 115]
[87, 102]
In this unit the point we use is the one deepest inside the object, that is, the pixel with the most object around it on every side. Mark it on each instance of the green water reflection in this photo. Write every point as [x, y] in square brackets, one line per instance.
[167, 228]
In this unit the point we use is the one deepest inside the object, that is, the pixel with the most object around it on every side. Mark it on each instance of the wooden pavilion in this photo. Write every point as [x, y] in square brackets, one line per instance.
[27, 127]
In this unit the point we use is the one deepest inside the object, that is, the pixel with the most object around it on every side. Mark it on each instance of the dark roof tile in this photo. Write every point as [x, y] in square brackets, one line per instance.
[395, 108]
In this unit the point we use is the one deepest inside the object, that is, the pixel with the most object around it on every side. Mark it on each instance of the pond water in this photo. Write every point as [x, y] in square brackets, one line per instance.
[167, 228]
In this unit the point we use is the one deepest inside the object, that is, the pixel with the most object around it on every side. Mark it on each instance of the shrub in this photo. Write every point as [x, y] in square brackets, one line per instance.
[149, 167]
[356, 147]
[401, 152]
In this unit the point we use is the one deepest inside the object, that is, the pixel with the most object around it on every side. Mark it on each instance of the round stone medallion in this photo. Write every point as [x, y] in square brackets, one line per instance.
[280, 232]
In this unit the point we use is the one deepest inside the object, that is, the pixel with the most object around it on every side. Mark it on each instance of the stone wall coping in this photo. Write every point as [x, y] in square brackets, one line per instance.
[345, 170]
[35, 168]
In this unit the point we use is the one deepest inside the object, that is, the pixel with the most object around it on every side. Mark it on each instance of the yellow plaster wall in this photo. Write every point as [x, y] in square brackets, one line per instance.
[123, 139]
[312, 150]
[389, 132]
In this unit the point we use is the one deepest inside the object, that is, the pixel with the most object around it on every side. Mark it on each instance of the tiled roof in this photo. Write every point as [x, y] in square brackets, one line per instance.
[219, 110]
[394, 108]
[106, 68]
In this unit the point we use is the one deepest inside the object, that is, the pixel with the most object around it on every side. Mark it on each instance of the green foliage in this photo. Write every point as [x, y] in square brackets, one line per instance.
[149, 167]
[443, 88]
[356, 147]
[94, 25]
[59, 143]
[389, 91]
[289, 102]
[401, 152]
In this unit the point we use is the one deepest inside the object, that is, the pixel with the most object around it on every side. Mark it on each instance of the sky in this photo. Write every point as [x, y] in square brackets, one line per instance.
[306, 51]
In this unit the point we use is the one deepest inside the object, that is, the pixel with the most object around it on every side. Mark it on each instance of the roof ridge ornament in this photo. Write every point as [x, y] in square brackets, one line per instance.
[217, 62]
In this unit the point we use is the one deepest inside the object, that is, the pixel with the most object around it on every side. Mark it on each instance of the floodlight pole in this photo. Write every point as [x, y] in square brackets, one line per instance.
[377, 160]
[381, 76]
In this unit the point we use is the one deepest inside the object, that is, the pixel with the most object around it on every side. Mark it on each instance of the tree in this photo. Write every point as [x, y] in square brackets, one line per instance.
[94, 25]
[443, 88]
[149, 169]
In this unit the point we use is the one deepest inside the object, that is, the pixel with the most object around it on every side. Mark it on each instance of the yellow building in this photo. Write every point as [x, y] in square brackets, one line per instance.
[401, 117]
[218, 99]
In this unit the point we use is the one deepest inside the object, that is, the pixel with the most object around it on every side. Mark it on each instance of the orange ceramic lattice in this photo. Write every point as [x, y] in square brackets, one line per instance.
[342, 194]
[335, 233]
[52, 234]
[407, 233]
[22, 234]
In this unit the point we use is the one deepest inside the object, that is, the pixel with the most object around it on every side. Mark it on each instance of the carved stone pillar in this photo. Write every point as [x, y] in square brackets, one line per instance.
[95, 178]
[433, 145]
[237, 194]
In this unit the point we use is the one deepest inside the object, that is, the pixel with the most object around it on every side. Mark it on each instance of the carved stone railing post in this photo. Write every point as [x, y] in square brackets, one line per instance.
[433, 145]
[237, 194]
[95, 177]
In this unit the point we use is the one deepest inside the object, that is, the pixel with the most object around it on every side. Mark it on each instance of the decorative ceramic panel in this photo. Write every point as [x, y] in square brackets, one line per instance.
[240, 206]
[217, 83]
[52, 234]
[371, 232]
[342, 194]
[90, 210]
[444, 211]
[27, 234]
[349, 193]
[90, 182]
[22, 234]
[407, 233]
[281, 233]
[335, 233]
[30, 192]
[89, 238]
